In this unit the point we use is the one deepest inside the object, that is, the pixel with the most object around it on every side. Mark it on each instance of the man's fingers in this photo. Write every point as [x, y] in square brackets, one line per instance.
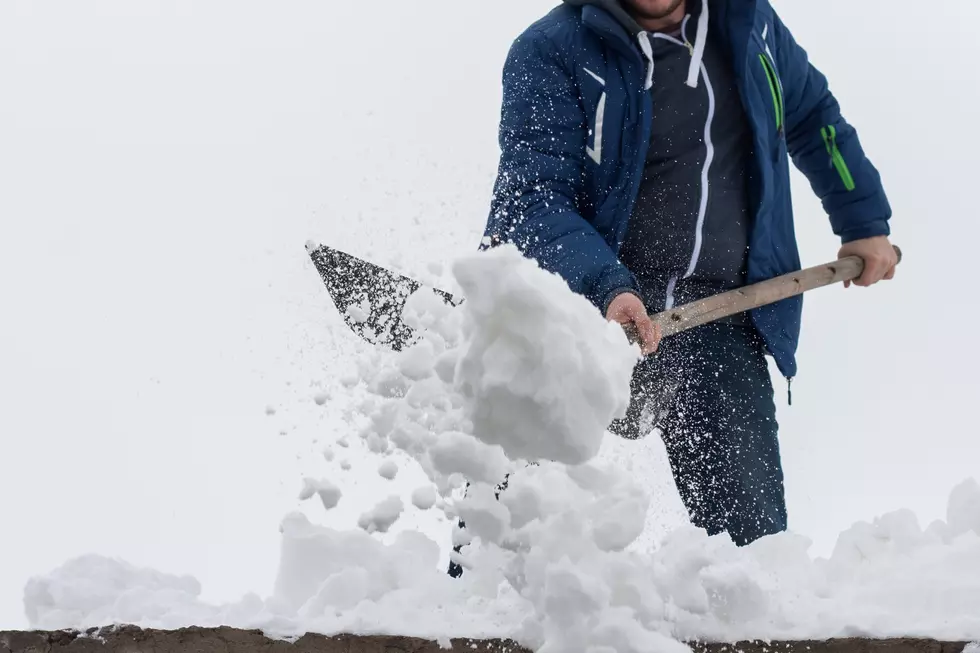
[875, 270]
[629, 311]
[879, 257]
[649, 333]
[890, 263]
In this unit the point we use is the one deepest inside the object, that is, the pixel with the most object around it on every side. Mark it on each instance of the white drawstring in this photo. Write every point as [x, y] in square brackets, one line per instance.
[644, 39]
[698, 54]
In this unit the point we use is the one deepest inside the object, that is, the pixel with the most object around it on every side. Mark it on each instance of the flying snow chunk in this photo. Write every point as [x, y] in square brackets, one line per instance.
[464, 454]
[380, 518]
[543, 373]
[424, 497]
[388, 469]
[329, 493]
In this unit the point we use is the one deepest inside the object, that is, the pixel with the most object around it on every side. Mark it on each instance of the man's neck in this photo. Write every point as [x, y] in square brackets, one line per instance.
[667, 24]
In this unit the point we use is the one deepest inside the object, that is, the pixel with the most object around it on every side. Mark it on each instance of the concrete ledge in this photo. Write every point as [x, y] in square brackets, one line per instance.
[129, 639]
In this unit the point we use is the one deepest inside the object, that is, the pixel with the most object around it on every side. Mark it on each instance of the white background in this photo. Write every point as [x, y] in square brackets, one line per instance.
[163, 163]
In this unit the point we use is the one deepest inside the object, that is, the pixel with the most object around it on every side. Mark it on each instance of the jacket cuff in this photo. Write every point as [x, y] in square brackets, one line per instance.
[869, 230]
[613, 294]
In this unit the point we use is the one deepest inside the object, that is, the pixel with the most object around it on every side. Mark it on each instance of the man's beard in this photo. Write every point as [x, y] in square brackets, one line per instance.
[639, 12]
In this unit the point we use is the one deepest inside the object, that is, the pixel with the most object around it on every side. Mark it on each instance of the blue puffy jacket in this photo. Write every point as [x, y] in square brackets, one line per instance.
[559, 206]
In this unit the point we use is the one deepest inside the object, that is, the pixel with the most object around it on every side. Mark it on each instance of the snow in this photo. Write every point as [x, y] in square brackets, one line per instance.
[99, 590]
[170, 232]
[329, 493]
[533, 365]
[380, 518]
[359, 313]
[388, 469]
[551, 563]
[463, 454]
[963, 513]
[424, 497]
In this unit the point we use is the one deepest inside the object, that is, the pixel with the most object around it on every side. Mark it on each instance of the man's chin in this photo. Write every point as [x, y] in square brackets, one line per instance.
[636, 8]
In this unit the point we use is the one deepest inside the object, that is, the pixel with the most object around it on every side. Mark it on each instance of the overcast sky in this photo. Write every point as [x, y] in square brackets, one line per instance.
[163, 163]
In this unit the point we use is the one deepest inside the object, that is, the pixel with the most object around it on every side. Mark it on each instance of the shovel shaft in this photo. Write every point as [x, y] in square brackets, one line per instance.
[753, 296]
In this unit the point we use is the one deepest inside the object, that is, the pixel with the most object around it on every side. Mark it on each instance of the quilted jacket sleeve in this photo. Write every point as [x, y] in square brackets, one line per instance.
[543, 135]
[826, 148]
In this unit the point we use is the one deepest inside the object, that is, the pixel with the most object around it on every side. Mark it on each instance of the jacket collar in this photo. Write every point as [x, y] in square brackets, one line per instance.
[609, 20]
[601, 21]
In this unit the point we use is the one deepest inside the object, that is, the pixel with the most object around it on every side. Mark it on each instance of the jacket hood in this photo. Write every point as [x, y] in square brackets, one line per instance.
[615, 9]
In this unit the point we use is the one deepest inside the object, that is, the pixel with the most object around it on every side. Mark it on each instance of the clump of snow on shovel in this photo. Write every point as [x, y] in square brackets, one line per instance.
[543, 373]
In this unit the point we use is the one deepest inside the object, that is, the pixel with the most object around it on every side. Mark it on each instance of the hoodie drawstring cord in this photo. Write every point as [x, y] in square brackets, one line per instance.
[698, 55]
[644, 40]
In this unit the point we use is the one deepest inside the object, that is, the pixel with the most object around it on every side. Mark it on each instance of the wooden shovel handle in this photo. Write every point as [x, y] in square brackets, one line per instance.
[753, 296]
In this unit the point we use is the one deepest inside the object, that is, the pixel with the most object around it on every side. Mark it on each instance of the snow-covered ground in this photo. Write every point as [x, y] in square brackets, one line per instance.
[527, 371]
[171, 368]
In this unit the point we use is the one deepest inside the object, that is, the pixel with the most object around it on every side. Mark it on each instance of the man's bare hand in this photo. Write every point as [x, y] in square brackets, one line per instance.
[879, 258]
[627, 308]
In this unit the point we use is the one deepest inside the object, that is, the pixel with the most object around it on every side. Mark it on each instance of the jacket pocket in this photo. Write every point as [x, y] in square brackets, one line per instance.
[829, 135]
[776, 88]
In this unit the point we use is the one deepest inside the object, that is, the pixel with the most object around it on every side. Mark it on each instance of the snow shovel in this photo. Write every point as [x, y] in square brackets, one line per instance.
[371, 298]
[736, 301]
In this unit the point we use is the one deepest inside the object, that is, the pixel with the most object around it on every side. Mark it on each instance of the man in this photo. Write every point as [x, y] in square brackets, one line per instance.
[645, 159]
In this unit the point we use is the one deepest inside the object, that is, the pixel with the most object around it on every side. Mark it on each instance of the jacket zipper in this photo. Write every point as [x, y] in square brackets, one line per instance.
[776, 89]
[669, 300]
[829, 134]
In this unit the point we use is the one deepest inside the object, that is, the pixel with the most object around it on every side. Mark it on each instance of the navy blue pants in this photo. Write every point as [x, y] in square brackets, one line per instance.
[709, 392]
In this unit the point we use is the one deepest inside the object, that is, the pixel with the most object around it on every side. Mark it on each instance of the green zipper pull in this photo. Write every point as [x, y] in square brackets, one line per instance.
[829, 134]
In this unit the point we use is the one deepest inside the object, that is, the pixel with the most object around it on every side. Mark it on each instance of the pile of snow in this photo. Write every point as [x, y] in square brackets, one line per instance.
[96, 590]
[526, 372]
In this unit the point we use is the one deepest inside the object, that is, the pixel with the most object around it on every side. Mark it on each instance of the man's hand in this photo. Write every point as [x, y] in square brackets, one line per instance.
[879, 258]
[627, 308]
